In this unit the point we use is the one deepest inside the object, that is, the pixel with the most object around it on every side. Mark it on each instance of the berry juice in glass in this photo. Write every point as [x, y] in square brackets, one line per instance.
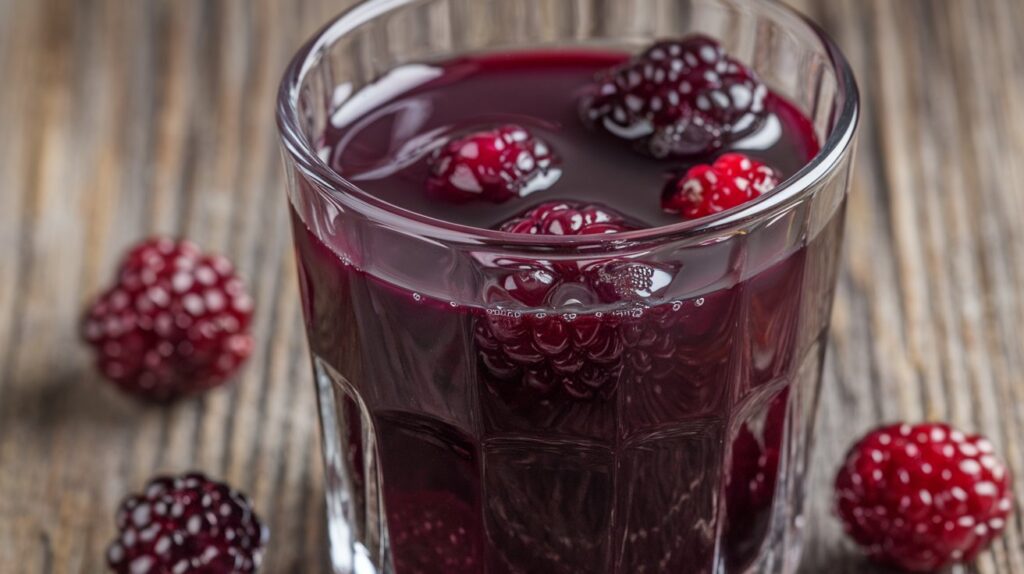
[566, 269]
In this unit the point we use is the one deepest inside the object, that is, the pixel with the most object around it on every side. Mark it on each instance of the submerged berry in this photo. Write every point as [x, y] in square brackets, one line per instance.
[432, 532]
[567, 218]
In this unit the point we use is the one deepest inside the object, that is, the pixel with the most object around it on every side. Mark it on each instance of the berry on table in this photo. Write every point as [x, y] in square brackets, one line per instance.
[678, 98]
[176, 321]
[732, 180]
[921, 497]
[494, 165]
[187, 525]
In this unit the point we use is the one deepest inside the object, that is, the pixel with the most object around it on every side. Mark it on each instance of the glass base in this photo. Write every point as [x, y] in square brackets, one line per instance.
[512, 495]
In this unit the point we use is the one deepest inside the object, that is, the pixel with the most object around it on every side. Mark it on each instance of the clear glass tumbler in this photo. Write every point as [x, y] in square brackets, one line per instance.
[449, 444]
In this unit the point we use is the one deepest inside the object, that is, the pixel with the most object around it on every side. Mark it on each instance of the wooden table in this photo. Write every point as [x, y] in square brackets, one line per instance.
[121, 118]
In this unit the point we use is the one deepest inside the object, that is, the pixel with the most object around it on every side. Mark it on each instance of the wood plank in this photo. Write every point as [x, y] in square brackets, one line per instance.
[125, 119]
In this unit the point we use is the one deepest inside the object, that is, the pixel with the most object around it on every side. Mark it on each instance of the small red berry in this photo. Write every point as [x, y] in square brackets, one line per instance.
[732, 180]
[678, 98]
[188, 524]
[922, 497]
[755, 461]
[567, 218]
[175, 322]
[494, 165]
[433, 532]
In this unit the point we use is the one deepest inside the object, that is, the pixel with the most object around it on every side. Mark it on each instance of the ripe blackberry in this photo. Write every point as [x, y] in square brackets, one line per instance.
[187, 525]
[678, 98]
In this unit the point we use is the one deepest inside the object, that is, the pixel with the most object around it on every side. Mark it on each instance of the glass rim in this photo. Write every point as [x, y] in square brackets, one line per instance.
[835, 148]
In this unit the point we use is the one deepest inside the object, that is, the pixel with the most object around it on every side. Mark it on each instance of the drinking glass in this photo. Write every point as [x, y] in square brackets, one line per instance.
[669, 432]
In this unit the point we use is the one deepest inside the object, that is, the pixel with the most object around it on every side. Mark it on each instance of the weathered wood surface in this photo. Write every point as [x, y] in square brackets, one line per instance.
[124, 117]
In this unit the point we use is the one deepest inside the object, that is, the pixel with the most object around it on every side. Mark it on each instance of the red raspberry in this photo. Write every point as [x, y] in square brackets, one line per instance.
[532, 283]
[187, 524]
[432, 532]
[175, 322]
[922, 497]
[678, 98]
[751, 481]
[495, 165]
[755, 462]
[567, 218]
[732, 180]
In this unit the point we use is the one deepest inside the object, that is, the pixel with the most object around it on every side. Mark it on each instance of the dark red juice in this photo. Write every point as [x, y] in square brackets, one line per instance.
[579, 433]
[382, 150]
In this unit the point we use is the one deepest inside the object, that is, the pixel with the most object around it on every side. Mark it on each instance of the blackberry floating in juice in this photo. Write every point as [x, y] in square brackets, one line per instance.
[564, 313]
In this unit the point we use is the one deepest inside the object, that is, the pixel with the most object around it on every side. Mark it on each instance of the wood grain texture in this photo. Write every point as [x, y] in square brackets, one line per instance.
[124, 118]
